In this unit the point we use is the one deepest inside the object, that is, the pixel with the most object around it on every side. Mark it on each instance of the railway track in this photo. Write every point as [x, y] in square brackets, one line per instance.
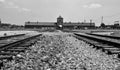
[107, 44]
[12, 47]
[11, 36]
[107, 36]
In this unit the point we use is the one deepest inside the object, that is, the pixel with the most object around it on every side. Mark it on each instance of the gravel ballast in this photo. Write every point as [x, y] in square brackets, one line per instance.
[62, 51]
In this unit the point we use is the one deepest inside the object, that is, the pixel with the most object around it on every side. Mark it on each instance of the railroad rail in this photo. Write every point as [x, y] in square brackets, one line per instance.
[108, 46]
[11, 36]
[17, 41]
[107, 36]
[12, 48]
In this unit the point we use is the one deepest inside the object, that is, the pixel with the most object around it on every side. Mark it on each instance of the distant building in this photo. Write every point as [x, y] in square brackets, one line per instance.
[112, 26]
[116, 23]
[8, 26]
[39, 24]
[60, 24]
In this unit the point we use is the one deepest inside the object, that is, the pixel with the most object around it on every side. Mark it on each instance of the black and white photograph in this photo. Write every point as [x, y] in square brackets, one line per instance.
[59, 34]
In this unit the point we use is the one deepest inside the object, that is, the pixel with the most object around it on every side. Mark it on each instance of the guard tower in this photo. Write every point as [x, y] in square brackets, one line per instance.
[59, 23]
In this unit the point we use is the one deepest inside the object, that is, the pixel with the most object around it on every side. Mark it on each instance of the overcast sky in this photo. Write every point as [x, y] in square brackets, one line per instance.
[19, 11]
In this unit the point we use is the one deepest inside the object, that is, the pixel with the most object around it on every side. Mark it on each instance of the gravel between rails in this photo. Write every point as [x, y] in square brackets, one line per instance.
[62, 51]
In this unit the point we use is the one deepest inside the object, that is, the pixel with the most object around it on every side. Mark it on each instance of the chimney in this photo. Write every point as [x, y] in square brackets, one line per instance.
[84, 21]
[90, 20]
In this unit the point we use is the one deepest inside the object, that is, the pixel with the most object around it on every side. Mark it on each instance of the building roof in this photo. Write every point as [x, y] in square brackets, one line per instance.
[64, 24]
[60, 17]
[78, 24]
[40, 23]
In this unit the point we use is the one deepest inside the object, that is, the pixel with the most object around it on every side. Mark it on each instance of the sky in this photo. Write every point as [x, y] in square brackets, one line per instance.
[20, 11]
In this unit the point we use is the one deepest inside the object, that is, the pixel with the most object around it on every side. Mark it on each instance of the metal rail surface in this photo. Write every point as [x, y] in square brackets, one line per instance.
[12, 49]
[115, 43]
[106, 46]
[107, 36]
[4, 47]
[10, 36]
